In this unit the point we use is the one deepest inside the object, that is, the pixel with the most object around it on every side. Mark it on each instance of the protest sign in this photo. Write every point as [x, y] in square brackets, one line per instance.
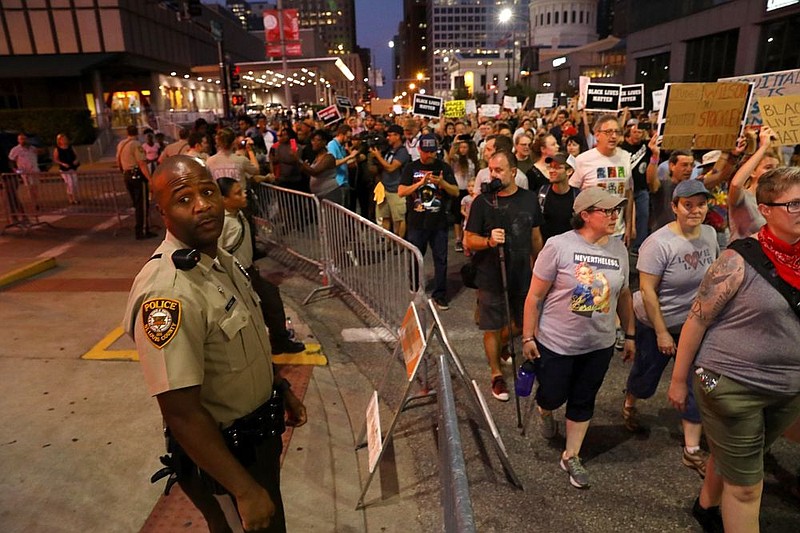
[489, 110]
[602, 96]
[703, 116]
[343, 101]
[658, 99]
[782, 83]
[632, 96]
[329, 115]
[782, 114]
[427, 106]
[455, 109]
[381, 107]
[583, 85]
[544, 100]
[470, 107]
[510, 102]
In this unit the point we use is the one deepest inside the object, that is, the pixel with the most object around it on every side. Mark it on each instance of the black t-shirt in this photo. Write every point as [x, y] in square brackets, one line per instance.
[640, 156]
[427, 207]
[536, 179]
[556, 211]
[518, 214]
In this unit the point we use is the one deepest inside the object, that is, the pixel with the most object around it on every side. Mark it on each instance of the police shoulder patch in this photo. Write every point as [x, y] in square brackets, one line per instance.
[161, 318]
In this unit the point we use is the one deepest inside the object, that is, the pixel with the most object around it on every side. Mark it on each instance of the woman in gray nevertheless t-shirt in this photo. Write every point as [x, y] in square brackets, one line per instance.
[741, 342]
[672, 263]
[579, 284]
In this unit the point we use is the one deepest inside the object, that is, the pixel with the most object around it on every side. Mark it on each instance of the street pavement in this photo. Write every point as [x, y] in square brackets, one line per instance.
[80, 438]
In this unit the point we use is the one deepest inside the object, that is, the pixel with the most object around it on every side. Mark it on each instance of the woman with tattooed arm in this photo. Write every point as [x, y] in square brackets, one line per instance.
[740, 341]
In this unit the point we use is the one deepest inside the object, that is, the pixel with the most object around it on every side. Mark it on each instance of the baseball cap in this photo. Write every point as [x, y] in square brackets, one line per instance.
[688, 188]
[427, 143]
[596, 197]
[395, 128]
[561, 158]
[709, 158]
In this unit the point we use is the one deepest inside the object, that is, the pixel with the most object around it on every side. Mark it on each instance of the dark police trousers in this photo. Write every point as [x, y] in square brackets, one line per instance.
[139, 192]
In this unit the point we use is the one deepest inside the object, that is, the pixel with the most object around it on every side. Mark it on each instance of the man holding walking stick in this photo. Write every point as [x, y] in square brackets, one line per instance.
[503, 232]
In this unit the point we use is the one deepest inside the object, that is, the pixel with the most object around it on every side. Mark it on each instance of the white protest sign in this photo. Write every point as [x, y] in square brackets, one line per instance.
[544, 100]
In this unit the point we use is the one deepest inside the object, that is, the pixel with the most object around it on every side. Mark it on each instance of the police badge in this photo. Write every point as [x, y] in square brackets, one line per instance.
[161, 318]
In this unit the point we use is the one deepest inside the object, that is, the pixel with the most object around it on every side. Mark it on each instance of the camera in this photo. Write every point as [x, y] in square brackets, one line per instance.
[491, 186]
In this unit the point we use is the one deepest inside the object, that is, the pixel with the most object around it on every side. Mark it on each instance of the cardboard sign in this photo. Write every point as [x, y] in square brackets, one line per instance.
[489, 110]
[471, 107]
[781, 83]
[544, 100]
[510, 102]
[427, 106]
[381, 107]
[412, 340]
[343, 101]
[782, 114]
[455, 109]
[632, 96]
[329, 115]
[703, 116]
[658, 99]
[602, 97]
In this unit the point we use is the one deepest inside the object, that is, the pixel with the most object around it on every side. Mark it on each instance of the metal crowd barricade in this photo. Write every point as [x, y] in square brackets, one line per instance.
[290, 220]
[26, 199]
[375, 266]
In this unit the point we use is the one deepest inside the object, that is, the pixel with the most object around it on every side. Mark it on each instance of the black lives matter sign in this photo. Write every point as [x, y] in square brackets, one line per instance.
[427, 106]
[632, 96]
[602, 97]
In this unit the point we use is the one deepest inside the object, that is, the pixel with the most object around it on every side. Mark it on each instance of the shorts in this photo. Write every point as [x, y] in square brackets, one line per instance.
[571, 379]
[392, 207]
[492, 314]
[740, 423]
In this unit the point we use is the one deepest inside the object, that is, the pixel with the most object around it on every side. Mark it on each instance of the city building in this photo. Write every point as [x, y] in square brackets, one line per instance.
[474, 27]
[709, 39]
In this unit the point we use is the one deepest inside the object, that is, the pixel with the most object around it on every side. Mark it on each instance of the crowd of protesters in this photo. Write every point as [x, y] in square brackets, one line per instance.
[569, 204]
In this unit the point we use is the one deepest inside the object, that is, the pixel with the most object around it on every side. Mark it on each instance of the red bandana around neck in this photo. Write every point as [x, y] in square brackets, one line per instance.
[785, 256]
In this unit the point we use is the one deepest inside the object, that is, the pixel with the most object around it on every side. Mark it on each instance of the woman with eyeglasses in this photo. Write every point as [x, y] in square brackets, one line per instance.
[740, 343]
[672, 263]
[579, 283]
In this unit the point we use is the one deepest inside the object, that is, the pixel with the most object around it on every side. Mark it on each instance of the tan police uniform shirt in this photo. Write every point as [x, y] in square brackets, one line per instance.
[129, 153]
[201, 327]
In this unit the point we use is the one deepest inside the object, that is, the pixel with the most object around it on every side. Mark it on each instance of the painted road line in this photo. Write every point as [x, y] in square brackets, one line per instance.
[100, 351]
[312, 356]
[58, 250]
[28, 271]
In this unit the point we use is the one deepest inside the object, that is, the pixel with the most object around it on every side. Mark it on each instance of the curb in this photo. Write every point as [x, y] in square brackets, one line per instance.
[27, 271]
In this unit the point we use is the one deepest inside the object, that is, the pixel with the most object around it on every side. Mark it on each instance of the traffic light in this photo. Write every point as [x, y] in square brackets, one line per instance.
[193, 8]
[237, 99]
[235, 78]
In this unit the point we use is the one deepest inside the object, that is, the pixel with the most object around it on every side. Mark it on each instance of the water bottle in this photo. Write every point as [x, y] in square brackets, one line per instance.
[290, 328]
[525, 379]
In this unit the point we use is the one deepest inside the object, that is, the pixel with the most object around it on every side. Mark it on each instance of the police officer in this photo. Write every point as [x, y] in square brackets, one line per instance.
[205, 354]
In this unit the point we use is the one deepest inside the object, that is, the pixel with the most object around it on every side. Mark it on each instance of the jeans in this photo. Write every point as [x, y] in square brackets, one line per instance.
[437, 238]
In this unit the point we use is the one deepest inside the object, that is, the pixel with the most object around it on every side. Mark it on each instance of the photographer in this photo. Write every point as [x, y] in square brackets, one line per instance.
[428, 185]
[506, 215]
[392, 210]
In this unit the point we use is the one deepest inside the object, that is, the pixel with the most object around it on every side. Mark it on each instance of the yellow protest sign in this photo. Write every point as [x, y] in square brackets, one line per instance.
[704, 116]
[455, 109]
[782, 114]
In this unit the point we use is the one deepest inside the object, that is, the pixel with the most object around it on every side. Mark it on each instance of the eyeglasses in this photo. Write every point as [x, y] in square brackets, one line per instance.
[607, 212]
[611, 132]
[792, 207]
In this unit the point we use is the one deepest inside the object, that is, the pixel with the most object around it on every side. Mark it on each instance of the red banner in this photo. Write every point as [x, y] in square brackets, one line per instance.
[291, 32]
